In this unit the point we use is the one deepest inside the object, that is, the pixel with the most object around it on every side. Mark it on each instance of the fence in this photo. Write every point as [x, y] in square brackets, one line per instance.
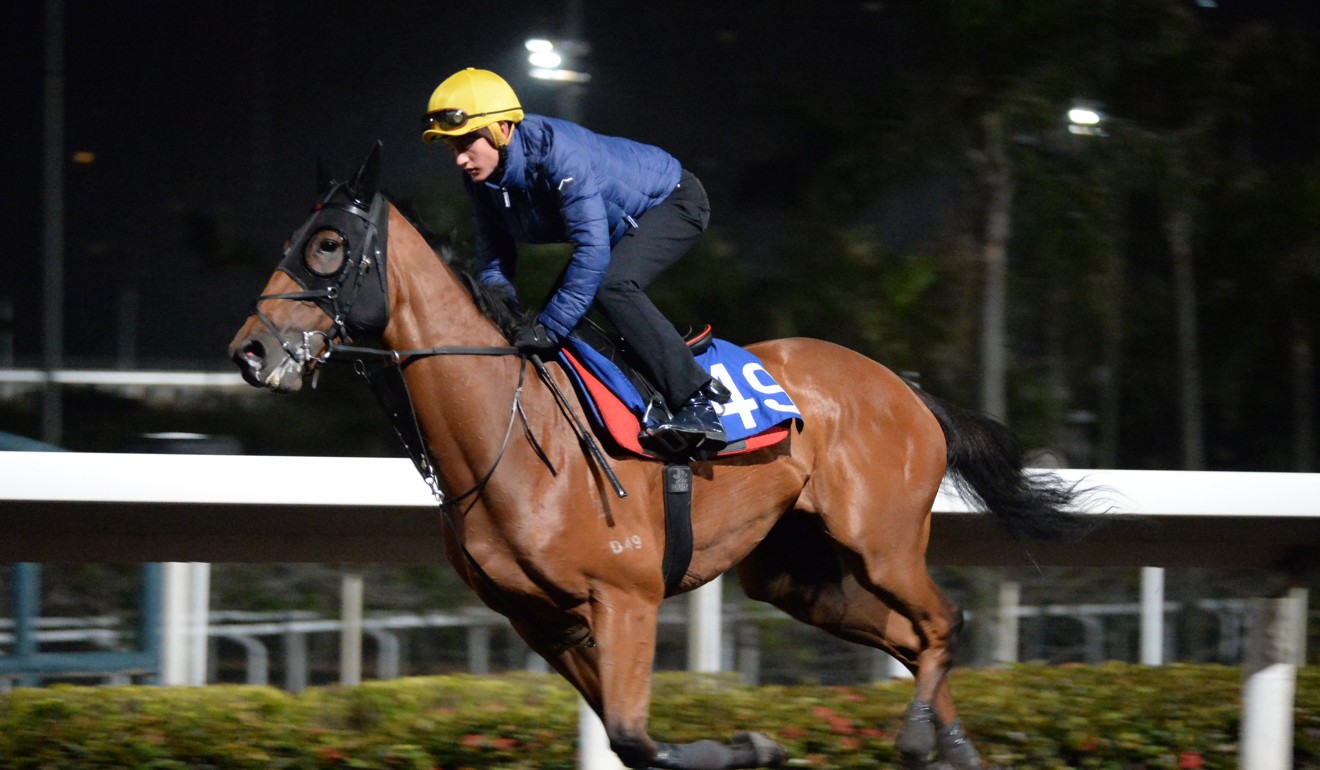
[760, 643]
[182, 508]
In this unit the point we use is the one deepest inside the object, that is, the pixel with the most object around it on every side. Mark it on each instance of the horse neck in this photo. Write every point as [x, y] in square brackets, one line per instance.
[429, 306]
[462, 402]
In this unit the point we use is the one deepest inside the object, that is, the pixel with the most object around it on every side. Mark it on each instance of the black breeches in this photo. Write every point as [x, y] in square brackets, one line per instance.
[662, 236]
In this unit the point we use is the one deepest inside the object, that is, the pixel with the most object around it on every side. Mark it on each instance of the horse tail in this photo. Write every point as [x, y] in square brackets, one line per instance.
[985, 463]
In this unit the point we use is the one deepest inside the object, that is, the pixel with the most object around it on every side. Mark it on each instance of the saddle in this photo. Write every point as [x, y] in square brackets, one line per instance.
[621, 403]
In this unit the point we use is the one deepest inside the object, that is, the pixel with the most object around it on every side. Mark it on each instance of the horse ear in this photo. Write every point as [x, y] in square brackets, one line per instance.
[323, 180]
[367, 179]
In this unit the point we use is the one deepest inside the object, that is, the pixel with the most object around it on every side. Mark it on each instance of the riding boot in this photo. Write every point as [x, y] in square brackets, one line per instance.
[697, 424]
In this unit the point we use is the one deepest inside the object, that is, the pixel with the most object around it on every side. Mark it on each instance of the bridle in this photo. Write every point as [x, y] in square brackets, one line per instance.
[356, 298]
[364, 229]
[356, 304]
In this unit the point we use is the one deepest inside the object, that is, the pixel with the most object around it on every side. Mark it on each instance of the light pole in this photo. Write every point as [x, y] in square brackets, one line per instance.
[52, 431]
[1086, 119]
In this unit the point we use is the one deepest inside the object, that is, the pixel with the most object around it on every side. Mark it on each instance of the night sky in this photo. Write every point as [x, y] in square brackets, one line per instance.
[207, 119]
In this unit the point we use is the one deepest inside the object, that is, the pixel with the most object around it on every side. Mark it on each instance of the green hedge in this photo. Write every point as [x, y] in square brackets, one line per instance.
[1113, 716]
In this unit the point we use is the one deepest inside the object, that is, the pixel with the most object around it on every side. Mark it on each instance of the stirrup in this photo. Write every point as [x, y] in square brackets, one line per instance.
[655, 416]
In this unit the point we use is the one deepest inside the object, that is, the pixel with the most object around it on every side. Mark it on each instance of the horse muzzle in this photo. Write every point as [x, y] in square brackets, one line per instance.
[277, 365]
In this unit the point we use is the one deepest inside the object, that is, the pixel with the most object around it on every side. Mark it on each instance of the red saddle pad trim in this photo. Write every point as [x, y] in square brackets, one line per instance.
[623, 426]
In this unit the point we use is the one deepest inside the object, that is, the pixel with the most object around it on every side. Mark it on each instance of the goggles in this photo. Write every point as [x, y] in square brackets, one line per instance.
[454, 118]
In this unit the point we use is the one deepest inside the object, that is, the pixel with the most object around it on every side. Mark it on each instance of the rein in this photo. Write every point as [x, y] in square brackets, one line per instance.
[394, 397]
[361, 218]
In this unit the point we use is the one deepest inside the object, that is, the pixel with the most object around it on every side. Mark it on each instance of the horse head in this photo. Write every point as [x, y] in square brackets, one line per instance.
[330, 285]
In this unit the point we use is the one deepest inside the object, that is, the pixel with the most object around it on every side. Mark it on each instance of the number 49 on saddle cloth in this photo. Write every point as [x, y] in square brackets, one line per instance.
[759, 414]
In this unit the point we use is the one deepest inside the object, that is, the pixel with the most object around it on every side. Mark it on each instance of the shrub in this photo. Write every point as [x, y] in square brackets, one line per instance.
[1116, 716]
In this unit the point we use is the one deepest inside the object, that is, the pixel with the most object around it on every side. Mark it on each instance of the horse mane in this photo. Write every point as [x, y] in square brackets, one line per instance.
[496, 305]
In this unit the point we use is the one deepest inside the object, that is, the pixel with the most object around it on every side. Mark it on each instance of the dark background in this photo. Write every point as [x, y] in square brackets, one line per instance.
[207, 120]
[839, 144]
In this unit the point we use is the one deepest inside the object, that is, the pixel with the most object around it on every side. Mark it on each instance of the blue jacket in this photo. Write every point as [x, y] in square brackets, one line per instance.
[565, 184]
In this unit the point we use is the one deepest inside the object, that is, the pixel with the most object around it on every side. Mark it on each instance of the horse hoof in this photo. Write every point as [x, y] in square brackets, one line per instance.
[957, 749]
[767, 752]
[916, 741]
[916, 738]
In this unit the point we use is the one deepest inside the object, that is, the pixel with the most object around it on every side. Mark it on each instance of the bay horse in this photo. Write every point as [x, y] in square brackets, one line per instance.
[829, 525]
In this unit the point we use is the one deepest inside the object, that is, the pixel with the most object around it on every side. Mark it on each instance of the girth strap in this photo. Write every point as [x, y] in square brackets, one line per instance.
[678, 525]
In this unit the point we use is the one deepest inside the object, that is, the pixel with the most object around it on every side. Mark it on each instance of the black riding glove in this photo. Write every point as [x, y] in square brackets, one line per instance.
[535, 340]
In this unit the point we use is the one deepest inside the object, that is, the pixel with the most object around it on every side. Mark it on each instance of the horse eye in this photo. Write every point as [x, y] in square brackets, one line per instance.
[324, 254]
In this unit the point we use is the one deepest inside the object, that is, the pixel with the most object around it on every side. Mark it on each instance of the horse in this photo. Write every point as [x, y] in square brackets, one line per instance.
[829, 525]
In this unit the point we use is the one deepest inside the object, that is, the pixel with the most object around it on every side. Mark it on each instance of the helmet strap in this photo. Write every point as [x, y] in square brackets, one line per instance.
[495, 134]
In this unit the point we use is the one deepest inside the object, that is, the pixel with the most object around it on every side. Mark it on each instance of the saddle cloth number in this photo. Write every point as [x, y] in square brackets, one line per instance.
[754, 395]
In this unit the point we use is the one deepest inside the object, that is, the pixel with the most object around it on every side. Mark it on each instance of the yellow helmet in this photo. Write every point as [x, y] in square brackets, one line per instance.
[469, 101]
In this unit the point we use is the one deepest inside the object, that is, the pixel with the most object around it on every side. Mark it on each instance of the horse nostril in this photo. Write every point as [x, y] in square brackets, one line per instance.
[249, 358]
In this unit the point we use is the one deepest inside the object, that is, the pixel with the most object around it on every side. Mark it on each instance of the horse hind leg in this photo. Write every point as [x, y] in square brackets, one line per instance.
[800, 570]
[931, 725]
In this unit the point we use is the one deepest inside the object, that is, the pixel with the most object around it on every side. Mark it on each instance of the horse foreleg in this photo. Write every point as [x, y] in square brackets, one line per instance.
[625, 629]
[744, 751]
[608, 659]
[571, 653]
[610, 665]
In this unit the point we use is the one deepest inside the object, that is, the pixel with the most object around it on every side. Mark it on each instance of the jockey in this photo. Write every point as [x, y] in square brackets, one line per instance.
[629, 210]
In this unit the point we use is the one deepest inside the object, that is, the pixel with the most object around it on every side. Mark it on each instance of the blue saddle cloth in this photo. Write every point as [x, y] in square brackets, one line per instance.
[758, 403]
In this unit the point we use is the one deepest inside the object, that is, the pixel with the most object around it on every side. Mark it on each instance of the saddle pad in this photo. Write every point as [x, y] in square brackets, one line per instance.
[758, 415]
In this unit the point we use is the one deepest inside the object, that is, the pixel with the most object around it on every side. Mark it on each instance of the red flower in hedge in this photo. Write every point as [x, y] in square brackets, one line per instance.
[1190, 760]
[331, 754]
[838, 724]
[847, 694]
[472, 741]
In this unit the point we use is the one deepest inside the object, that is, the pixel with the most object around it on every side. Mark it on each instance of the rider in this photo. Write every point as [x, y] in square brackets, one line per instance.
[629, 210]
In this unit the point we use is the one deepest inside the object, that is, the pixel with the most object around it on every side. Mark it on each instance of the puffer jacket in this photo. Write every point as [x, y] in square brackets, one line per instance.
[565, 184]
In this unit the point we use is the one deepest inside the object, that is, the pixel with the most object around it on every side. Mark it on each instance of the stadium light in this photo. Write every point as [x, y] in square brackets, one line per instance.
[1086, 119]
[547, 60]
